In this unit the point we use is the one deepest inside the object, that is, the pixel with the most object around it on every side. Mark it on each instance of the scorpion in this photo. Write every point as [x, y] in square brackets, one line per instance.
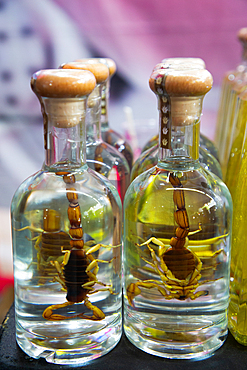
[178, 267]
[78, 271]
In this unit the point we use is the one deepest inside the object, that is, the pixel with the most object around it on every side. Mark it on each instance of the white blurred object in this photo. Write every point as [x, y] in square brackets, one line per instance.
[33, 35]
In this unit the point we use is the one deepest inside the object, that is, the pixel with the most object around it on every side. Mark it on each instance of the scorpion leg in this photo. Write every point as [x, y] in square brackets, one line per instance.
[49, 315]
[133, 289]
[97, 313]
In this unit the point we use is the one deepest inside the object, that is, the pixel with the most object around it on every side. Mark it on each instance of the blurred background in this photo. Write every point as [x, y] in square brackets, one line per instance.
[137, 34]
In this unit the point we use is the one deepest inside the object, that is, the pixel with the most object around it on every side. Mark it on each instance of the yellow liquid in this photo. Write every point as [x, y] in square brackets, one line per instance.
[237, 316]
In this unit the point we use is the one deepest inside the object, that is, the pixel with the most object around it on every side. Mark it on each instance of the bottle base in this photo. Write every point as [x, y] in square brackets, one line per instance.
[70, 350]
[174, 345]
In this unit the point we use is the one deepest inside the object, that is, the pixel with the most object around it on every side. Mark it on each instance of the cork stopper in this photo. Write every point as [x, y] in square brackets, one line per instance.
[100, 70]
[56, 83]
[107, 61]
[181, 82]
[242, 34]
[64, 88]
[189, 61]
[184, 65]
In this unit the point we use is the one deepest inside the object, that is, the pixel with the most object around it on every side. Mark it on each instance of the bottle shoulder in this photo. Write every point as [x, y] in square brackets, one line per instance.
[45, 186]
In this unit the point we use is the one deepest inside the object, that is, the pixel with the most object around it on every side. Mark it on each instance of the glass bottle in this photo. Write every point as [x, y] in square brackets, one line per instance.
[235, 157]
[237, 312]
[149, 158]
[188, 63]
[101, 156]
[229, 89]
[177, 228]
[109, 135]
[66, 231]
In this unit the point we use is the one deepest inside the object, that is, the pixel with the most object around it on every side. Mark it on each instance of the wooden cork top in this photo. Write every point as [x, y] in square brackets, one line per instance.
[57, 83]
[100, 70]
[178, 60]
[107, 61]
[185, 65]
[181, 82]
[242, 34]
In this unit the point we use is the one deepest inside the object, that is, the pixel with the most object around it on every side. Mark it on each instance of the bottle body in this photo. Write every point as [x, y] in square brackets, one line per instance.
[176, 297]
[57, 316]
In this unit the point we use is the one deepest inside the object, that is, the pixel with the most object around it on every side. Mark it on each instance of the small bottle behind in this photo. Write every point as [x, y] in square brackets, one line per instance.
[66, 232]
[101, 156]
[177, 230]
[109, 135]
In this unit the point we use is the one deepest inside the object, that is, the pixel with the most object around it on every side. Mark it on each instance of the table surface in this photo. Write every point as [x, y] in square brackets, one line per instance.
[230, 356]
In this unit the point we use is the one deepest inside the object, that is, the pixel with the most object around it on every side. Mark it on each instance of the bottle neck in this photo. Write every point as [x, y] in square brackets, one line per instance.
[104, 105]
[64, 133]
[179, 132]
[94, 116]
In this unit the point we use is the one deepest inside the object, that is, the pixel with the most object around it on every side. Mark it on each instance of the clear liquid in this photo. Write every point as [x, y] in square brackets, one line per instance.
[194, 323]
[67, 338]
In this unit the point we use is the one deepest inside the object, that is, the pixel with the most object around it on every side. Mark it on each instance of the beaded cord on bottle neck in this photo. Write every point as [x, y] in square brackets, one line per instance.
[180, 95]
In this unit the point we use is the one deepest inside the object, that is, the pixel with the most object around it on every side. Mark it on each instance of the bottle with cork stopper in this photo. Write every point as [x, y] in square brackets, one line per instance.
[177, 229]
[149, 158]
[101, 156]
[66, 232]
[109, 135]
[188, 63]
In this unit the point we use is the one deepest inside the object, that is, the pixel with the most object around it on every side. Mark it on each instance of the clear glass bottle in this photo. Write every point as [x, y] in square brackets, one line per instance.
[231, 86]
[188, 63]
[237, 312]
[177, 229]
[101, 156]
[109, 135]
[66, 231]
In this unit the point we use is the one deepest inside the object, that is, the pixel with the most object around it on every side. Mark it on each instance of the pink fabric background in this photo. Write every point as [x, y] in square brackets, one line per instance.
[140, 33]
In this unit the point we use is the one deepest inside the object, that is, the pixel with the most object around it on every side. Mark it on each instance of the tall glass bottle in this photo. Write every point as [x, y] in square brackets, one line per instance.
[188, 63]
[237, 313]
[235, 157]
[101, 156]
[226, 105]
[66, 230]
[109, 135]
[177, 227]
